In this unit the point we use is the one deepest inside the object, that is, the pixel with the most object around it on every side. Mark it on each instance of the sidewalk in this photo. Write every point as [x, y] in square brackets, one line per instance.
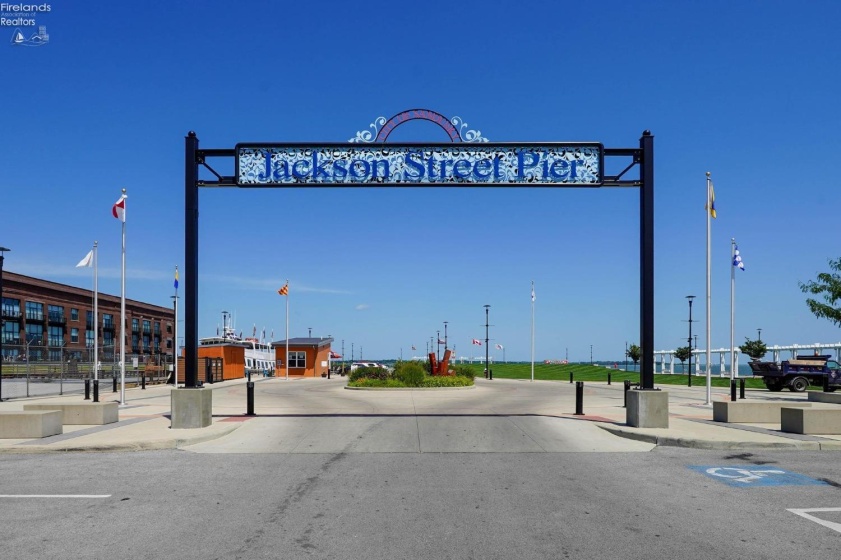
[144, 422]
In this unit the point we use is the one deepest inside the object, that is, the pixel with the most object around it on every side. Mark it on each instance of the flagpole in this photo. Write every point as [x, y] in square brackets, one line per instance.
[709, 223]
[123, 314]
[532, 331]
[175, 336]
[732, 306]
[95, 315]
[287, 330]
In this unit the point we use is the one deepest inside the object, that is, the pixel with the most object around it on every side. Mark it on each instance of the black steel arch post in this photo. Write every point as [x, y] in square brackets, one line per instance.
[191, 260]
[647, 260]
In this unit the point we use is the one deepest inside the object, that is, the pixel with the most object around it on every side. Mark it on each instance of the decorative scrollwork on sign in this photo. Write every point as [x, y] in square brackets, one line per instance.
[366, 136]
[467, 135]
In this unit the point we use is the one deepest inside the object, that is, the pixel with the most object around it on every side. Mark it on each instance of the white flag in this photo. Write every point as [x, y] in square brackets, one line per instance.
[87, 261]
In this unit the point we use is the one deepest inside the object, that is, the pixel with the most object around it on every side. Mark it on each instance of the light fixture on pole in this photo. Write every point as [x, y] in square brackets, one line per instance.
[759, 335]
[2, 333]
[438, 342]
[445, 336]
[689, 340]
[591, 354]
[626, 356]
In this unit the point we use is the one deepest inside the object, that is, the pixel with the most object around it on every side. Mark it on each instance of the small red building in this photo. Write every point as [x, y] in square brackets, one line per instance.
[308, 357]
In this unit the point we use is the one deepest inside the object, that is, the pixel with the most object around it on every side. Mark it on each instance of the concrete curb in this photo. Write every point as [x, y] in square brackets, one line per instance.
[147, 445]
[691, 443]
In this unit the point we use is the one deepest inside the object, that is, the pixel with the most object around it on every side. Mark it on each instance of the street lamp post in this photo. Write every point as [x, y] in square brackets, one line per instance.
[626, 355]
[689, 341]
[2, 333]
[759, 335]
[438, 348]
[487, 362]
[445, 336]
[591, 354]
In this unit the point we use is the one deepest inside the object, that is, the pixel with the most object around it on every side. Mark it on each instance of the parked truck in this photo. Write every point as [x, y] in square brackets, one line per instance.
[798, 374]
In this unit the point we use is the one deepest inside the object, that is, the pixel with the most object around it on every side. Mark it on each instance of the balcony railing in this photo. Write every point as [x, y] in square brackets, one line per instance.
[57, 318]
[34, 316]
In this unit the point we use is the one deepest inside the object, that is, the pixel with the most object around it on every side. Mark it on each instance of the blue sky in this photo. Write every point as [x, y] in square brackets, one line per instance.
[745, 90]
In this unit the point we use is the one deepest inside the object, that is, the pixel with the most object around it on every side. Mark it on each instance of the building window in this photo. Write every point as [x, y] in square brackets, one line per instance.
[74, 314]
[55, 336]
[147, 327]
[34, 311]
[11, 307]
[297, 359]
[11, 333]
[107, 321]
[89, 320]
[89, 338]
[157, 329]
[107, 339]
[55, 313]
[35, 334]
[74, 335]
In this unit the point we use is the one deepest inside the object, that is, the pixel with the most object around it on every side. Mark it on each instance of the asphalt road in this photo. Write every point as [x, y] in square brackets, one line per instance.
[368, 505]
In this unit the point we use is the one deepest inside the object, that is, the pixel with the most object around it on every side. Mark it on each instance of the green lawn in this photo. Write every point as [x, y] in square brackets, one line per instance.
[586, 372]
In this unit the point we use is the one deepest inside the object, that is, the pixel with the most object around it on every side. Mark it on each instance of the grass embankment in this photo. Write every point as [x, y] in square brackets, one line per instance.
[586, 372]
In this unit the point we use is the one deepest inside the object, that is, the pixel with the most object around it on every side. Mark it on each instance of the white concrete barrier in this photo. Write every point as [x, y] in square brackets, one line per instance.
[91, 413]
[751, 412]
[23, 424]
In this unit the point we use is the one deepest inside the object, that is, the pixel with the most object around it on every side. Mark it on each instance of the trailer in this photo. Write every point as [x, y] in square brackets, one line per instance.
[796, 375]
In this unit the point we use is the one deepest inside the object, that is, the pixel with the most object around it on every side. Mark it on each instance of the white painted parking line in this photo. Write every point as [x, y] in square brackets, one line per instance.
[829, 524]
[82, 496]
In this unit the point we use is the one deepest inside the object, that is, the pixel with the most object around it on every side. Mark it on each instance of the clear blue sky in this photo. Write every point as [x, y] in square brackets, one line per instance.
[746, 90]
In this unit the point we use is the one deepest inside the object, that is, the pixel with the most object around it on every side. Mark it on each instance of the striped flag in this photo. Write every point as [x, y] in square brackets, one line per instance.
[284, 291]
[119, 209]
[477, 342]
[711, 200]
[176, 278]
[737, 259]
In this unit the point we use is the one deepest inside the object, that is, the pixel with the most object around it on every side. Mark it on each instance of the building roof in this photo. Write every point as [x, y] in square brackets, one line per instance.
[304, 341]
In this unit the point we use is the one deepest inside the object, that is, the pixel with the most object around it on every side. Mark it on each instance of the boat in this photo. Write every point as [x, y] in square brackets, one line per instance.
[259, 355]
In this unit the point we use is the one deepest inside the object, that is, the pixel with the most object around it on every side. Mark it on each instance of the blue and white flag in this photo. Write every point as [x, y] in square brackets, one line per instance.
[737, 258]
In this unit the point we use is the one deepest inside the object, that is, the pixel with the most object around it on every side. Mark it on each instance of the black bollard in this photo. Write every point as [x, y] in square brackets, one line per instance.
[328, 373]
[732, 390]
[689, 377]
[96, 390]
[570, 377]
[114, 379]
[741, 388]
[825, 383]
[490, 374]
[608, 377]
[249, 391]
[87, 389]
[143, 381]
[579, 398]
[627, 388]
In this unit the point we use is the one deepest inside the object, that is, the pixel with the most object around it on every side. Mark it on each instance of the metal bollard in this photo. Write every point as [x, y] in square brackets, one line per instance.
[490, 374]
[143, 381]
[87, 389]
[96, 390]
[608, 377]
[249, 391]
[570, 377]
[579, 398]
[741, 388]
[328, 373]
[732, 390]
[114, 379]
[825, 383]
[627, 388]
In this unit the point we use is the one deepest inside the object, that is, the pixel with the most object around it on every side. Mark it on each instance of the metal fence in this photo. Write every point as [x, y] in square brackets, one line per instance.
[32, 371]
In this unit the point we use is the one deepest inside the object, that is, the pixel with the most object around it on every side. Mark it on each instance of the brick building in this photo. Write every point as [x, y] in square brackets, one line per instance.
[48, 321]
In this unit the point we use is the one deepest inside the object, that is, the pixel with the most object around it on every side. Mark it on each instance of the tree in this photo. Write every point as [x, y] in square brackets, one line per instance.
[828, 285]
[634, 352]
[683, 354]
[754, 348]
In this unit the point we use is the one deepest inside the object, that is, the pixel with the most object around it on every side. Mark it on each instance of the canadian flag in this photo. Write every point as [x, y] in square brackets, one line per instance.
[477, 342]
[119, 209]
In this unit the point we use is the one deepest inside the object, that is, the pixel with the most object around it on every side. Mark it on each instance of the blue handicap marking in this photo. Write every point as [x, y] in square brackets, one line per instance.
[754, 475]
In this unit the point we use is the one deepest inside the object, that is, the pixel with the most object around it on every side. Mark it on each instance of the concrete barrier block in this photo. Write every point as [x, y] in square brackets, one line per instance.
[30, 424]
[191, 408]
[92, 413]
[814, 421]
[648, 409]
[820, 396]
[751, 412]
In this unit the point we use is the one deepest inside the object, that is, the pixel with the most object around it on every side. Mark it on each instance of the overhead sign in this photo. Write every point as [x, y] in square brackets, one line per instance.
[457, 164]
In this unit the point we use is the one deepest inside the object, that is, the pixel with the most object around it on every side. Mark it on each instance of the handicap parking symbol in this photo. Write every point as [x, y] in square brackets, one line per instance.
[754, 475]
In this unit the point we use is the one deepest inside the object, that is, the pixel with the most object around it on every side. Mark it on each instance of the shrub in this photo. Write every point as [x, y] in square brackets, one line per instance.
[447, 381]
[368, 382]
[463, 370]
[369, 373]
[410, 373]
